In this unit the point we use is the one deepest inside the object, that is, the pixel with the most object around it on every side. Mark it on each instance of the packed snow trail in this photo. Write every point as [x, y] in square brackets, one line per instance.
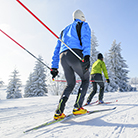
[67, 118]
[17, 115]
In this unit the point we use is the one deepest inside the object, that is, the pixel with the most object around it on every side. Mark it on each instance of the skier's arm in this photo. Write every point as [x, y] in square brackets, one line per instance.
[105, 70]
[55, 58]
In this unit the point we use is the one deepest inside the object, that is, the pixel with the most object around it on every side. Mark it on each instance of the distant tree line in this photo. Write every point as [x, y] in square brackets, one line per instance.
[134, 80]
[39, 81]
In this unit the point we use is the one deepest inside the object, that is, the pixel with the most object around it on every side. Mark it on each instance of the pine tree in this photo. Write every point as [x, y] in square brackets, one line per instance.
[36, 85]
[1, 83]
[13, 89]
[27, 88]
[134, 81]
[118, 66]
[94, 52]
[109, 87]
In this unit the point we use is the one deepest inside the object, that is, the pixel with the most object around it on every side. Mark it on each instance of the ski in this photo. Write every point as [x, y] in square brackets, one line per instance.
[96, 103]
[91, 103]
[67, 118]
[102, 110]
[88, 113]
[50, 123]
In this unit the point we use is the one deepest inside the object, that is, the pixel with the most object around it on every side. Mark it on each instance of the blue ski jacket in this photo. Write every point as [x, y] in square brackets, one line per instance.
[70, 37]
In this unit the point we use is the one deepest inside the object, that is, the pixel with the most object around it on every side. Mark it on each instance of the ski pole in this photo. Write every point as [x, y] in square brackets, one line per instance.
[77, 81]
[25, 49]
[96, 81]
[49, 29]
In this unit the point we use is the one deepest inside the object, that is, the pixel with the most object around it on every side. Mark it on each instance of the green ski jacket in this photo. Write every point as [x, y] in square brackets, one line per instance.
[99, 66]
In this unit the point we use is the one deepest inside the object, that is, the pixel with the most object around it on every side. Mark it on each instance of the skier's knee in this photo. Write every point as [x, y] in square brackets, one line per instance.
[71, 86]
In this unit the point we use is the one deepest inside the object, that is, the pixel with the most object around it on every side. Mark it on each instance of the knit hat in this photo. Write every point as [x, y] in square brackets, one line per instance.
[100, 56]
[78, 14]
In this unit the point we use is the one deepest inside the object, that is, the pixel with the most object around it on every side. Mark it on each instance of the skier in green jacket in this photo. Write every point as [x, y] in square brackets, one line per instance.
[96, 78]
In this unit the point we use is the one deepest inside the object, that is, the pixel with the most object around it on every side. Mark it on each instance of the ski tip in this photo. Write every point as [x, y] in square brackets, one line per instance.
[114, 108]
[85, 104]
[26, 131]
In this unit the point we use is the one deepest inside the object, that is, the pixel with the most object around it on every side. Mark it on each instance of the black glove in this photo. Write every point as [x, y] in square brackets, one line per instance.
[54, 72]
[87, 58]
[107, 80]
[86, 63]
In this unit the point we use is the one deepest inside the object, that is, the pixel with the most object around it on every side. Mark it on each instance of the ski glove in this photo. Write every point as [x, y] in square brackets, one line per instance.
[86, 63]
[54, 72]
[107, 80]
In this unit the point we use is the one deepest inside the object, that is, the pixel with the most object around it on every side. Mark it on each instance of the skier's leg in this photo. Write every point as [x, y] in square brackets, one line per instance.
[75, 64]
[82, 90]
[77, 67]
[101, 84]
[71, 81]
[94, 88]
[94, 85]
[101, 93]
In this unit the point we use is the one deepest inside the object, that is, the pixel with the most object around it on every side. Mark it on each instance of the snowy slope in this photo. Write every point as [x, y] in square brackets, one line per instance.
[18, 115]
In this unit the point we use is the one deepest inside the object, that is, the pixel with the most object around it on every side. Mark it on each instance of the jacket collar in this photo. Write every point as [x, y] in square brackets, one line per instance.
[78, 20]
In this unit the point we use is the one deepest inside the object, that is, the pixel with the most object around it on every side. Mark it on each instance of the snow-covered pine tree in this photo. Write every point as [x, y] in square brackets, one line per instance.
[13, 88]
[134, 81]
[109, 87]
[94, 52]
[133, 84]
[1, 83]
[36, 85]
[118, 66]
[27, 89]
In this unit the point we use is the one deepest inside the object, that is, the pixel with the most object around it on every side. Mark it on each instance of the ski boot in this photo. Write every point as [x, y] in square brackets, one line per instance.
[59, 116]
[100, 102]
[79, 111]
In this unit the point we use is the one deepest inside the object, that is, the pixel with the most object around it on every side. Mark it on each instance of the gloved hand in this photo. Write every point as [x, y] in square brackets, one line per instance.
[86, 58]
[86, 63]
[107, 80]
[54, 72]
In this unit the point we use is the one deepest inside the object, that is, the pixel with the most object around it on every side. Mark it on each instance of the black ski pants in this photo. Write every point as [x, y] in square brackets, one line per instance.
[72, 64]
[97, 78]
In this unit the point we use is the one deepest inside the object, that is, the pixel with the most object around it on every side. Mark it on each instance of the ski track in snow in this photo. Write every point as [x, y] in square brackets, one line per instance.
[18, 115]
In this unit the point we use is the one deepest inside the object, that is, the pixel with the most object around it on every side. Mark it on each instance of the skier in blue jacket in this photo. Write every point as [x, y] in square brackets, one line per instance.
[78, 37]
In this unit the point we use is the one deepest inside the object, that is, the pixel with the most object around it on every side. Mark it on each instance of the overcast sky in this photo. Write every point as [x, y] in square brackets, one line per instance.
[110, 19]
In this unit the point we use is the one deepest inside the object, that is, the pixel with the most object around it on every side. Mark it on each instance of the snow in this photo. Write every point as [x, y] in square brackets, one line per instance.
[18, 115]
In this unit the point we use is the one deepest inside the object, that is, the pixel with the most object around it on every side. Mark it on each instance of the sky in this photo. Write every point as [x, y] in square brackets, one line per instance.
[110, 20]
